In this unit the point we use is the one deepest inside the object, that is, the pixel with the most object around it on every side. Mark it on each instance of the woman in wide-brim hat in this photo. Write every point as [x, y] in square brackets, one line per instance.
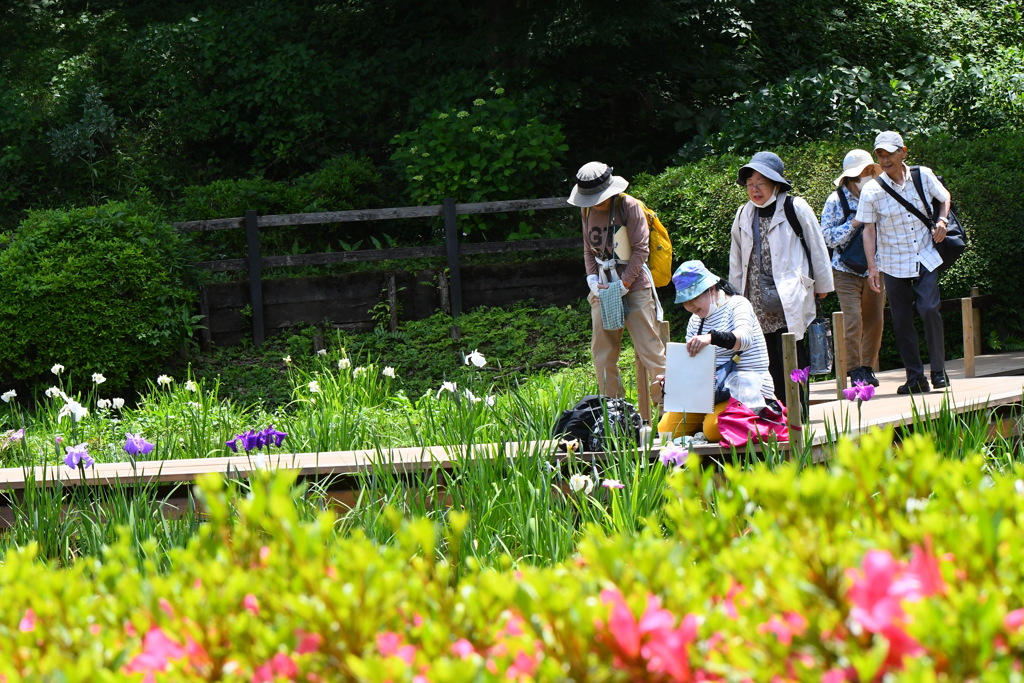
[725, 320]
[862, 306]
[771, 264]
[616, 244]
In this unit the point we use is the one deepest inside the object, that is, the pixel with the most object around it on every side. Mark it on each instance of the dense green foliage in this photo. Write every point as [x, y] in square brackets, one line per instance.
[102, 289]
[100, 99]
[894, 563]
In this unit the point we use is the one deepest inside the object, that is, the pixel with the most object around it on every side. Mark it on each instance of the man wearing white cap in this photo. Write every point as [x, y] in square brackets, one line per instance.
[900, 250]
[862, 306]
[615, 249]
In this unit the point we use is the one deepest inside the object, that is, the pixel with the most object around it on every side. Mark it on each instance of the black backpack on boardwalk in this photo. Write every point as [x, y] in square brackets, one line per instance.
[596, 426]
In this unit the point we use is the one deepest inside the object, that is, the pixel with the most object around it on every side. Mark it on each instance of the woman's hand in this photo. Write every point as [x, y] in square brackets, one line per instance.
[695, 344]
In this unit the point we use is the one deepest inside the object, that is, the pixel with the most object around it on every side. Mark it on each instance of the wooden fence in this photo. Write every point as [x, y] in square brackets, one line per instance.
[351, 299]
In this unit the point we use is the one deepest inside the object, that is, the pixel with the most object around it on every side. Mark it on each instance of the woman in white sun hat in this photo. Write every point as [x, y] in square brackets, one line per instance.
[616, 242]
[862, 306]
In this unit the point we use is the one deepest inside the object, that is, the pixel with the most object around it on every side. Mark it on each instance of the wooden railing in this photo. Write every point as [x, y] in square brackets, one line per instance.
[452, 249]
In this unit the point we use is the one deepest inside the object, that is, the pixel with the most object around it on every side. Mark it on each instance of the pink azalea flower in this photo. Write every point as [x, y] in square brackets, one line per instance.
[523, 666]
[28, 622]
[157, 651]
[308, 642]
[462, 648]
[1013, 620]
[280, 665]
[250, 603]
[791, 624]
[389, 644]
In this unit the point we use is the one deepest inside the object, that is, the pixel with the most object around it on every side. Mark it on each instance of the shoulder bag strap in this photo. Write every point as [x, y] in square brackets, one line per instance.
[794, 223]
[847, 211]
[907, 205]
[915, 175]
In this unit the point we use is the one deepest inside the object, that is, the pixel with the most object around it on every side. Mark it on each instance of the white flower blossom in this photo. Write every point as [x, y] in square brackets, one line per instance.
[388, 371]
[581, 482]
[191, 386]
[361, 370]
[490, 401]
[476, 358]
[74, 409]
[322, 352]
[287, 360]
[8, 395]
[119, 403]
[314, 387]
[471, 397]
[57, 369]
[98, 378]
[447, 386]
[103, 403]
[55, 392]
[344, 363]
[164, 380]
[916, 504]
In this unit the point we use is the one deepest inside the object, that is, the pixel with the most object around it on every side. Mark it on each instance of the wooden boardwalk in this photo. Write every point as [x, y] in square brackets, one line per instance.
[999, 382]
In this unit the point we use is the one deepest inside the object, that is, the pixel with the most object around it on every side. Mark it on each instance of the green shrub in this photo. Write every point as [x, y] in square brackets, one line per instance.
[341, 184]
[497, 148]
[96, 289]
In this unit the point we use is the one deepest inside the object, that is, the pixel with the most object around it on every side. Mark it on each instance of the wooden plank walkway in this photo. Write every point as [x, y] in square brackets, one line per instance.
[999, 382]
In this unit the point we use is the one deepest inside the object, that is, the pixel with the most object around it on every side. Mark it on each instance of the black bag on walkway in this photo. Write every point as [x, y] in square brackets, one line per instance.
[597, 422]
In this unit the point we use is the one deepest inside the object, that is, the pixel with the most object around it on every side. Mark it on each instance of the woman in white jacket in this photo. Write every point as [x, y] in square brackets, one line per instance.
[770, 264]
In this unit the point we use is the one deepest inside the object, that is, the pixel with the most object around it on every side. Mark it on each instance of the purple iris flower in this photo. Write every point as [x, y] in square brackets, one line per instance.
[273, 437]
[860, 391]
[78, 455]
[135, 444]
[800, 376]
[251, 440]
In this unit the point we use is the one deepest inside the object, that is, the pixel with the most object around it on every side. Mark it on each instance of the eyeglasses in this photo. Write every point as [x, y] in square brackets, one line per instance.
[757, 186]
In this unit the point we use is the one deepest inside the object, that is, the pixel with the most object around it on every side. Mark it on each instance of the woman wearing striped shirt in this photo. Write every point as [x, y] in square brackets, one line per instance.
[723, 319]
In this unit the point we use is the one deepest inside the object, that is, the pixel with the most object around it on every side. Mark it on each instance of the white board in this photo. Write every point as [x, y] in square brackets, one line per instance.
[689, 380]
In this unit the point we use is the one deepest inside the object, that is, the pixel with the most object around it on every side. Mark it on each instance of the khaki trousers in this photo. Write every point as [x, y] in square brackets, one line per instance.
[862, 318]
[606, 345]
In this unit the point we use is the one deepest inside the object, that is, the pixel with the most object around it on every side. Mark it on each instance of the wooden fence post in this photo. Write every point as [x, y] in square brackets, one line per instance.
[793, 390]
[451, 242]
[839, 348]
[967, 313]
[252, 238]
[977, 321]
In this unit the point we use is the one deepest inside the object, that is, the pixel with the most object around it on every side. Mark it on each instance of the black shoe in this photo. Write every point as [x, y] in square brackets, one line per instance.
[915, 387]
[857, 375]
[940, 380]
[869, 376]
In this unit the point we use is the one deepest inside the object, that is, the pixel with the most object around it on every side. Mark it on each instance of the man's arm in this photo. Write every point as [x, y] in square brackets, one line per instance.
[874, 278]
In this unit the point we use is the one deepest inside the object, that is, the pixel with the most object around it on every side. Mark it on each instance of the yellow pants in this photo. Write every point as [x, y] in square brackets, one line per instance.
[688, 424]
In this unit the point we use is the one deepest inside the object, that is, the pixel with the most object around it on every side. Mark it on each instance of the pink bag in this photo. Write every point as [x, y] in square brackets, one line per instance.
[738, 424]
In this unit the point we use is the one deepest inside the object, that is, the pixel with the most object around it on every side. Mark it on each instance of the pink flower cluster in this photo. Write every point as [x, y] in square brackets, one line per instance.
[651, 648]
[882, 586]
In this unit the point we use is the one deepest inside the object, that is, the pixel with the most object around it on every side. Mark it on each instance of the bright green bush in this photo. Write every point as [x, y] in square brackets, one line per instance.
[894, 563]
[496, 148]
[97, 289]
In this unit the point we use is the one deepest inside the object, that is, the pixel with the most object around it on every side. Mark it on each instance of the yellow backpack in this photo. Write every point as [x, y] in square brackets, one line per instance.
[659, 260]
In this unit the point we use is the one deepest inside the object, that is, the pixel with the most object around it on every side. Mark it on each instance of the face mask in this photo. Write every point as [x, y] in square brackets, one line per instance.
[860, 183]
[768, 201]
[712, 302]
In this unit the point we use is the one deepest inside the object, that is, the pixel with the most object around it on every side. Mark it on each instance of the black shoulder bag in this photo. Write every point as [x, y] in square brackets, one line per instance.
[852, 253]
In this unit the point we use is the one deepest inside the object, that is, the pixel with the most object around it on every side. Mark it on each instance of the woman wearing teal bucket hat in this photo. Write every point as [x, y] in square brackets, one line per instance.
[725, 320]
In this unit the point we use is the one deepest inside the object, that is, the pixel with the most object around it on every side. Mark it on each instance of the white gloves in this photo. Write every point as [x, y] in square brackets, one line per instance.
[592, 282]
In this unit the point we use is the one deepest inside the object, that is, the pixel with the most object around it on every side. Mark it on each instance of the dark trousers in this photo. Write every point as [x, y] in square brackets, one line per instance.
[776, 367]
[904, 294]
